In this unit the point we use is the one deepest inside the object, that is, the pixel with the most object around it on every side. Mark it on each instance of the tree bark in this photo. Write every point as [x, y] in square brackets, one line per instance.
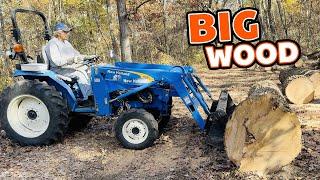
[264, 139]
[115, 46]
[285, 74]
[124, 31]
[309, 25]
[240, 3]
[3, 35]
[264, 22]
[210, 4]
[165, 18]
[270, 20]
[282, 18]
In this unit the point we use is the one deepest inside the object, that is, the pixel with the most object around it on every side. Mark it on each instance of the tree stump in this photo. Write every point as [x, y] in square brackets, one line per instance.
[263, 135]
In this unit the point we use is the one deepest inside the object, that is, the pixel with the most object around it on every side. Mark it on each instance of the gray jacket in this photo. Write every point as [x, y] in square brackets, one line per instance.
[60, 53]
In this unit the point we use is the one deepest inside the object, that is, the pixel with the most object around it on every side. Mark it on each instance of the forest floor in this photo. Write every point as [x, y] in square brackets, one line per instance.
[180, 152]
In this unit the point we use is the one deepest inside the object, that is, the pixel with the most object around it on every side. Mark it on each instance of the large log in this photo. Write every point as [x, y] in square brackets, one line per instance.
[285, 74]
[298, 89]
[263, 134]
[315, 79]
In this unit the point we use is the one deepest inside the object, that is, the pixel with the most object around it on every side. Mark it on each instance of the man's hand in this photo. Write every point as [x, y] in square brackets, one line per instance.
[79, 59]
[89, 57]
[82, 58]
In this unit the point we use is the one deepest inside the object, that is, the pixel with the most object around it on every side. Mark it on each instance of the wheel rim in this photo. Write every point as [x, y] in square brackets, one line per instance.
[28, 116]
[135, 131]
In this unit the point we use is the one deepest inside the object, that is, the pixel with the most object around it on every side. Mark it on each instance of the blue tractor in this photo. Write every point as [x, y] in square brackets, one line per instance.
[37, 108]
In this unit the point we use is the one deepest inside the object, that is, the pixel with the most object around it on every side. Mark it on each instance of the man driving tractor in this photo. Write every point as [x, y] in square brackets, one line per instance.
[66, 60]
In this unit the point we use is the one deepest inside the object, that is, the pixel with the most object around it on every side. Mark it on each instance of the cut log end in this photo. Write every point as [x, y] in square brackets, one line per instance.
[299, 89]
[262, 135]
[315, 79]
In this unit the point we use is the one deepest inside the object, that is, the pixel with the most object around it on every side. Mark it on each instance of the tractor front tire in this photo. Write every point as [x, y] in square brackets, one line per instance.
[33, 113]
[136, 129]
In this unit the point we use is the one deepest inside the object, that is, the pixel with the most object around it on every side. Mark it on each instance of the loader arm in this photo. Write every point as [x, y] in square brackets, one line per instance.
[188, 87]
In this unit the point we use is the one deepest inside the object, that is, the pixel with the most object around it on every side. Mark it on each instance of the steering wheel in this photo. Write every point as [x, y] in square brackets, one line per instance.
[90, 61]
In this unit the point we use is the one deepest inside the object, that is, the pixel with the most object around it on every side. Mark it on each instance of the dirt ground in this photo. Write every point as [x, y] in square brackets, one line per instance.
[180, 152]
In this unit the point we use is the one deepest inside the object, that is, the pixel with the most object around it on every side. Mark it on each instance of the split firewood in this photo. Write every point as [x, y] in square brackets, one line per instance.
[263, 134]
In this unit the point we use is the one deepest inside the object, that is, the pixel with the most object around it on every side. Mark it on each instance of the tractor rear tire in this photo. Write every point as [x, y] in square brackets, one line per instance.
[33, 113]
[136, 129]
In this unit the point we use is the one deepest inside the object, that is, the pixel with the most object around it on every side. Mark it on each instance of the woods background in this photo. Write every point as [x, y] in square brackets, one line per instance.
[156, 29]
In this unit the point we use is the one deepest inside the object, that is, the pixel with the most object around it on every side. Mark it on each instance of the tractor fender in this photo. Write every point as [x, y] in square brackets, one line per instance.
[52, 79]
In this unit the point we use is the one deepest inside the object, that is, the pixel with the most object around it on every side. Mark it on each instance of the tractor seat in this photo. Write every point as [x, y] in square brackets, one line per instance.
[41, 65]
[43, 58]
[33, 67]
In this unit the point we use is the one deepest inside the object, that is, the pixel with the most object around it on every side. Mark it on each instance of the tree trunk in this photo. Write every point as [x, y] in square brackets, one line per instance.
[3, 36]
[124, 31]
[270, 20]
[263, 139]
[309, 24]
[255, 5]
[115, 46]
[165, 18]
[240, 3]
[282, 18]
[264, 22]
[210, 4]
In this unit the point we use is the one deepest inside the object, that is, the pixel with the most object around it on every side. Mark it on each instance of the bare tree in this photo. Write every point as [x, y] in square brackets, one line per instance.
[165, 19]
[115, 45]
[271, 20]
[282, 18]
[3, 36]
[240, 3]
[124, 31]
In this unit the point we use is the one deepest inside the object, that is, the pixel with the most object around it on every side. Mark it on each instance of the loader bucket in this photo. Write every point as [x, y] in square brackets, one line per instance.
[217, 120]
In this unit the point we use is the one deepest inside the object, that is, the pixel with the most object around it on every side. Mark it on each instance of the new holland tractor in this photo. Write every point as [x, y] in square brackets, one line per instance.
[37, 108]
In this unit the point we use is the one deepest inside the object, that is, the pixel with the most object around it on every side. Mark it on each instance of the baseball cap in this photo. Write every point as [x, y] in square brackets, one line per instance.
[62, 27]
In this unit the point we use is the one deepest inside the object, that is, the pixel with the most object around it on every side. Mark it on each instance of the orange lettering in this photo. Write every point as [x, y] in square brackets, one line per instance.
[201, 28]
[239, 22]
